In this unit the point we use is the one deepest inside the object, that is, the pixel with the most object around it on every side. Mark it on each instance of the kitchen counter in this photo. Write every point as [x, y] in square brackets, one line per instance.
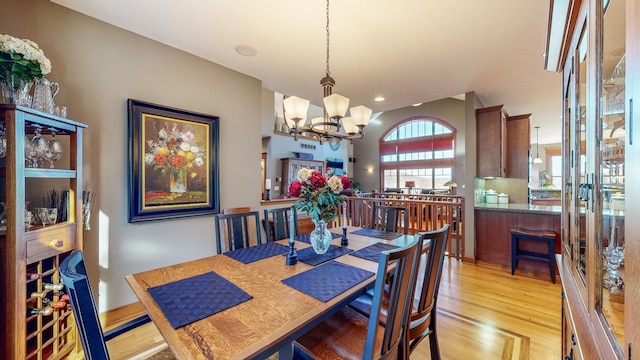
[520, 208]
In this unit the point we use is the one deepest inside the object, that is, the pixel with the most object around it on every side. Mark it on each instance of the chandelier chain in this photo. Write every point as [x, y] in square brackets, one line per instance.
[328, 73]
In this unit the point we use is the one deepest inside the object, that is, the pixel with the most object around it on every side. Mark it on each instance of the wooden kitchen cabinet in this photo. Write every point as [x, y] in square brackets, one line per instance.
[502, 144]
[518, 146]
[491, 142]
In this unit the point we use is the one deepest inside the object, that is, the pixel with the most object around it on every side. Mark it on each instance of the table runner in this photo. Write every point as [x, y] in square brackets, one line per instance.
[305, 237]
[188, 300]
[385, 235]
[327, 281]
[309, 256]
[254, 253]
[372, 252]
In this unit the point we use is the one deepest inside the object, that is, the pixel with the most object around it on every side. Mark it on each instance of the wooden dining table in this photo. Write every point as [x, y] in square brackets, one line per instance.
[268, 323]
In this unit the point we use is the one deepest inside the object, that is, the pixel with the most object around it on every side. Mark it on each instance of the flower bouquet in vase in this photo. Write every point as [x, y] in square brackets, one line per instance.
[319, 197]
[21, 62]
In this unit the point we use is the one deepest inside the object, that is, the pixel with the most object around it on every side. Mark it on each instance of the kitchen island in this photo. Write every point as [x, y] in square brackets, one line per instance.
[493, 223]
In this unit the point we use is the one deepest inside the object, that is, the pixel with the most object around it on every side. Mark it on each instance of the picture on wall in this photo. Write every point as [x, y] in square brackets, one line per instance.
[173, 162]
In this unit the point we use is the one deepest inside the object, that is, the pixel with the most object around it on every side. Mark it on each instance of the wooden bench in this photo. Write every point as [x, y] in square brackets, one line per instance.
[517, 254]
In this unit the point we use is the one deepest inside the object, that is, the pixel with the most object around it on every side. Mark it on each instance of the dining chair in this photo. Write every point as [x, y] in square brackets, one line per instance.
[94, 340]
[423, 312]
[237, 231]
[350, 335]
[390, 218]
[236, 210]
[276, 223]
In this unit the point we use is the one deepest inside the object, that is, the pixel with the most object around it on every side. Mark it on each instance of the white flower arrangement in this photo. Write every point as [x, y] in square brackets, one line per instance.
[22, 58]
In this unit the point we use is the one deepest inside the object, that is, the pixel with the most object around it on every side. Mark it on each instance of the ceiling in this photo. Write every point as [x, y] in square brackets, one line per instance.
[408, 51]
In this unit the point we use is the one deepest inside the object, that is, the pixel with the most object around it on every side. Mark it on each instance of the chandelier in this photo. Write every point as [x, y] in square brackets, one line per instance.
[327, 127]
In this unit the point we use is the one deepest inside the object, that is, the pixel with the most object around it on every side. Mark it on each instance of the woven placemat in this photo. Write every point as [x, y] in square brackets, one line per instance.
[254, 253]
[309, 256]
[385, 235]
[185, 301]
[372, 252]
[327, 281]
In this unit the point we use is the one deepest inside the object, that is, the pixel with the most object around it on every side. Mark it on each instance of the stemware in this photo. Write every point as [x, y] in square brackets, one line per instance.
[47, 216]
[38, 145]
[54, 146]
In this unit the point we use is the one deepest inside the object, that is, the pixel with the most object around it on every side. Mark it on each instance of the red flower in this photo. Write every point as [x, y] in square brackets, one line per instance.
[160, 159]
[294, 188]
[346, 182]
[317, 180]
[178, 161]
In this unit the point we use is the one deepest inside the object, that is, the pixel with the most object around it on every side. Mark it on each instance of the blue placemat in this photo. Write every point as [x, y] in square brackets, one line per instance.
[372, 252]
[327, 281]
[259, 252]
[305, 237]
[185, 301]
[309, 256]
[385, 235]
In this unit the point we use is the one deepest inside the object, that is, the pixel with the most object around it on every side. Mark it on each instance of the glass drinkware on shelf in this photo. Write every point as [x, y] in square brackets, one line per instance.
[37, 149]
[3, 141]
[47, 216]
[54, 152]
[43, 95]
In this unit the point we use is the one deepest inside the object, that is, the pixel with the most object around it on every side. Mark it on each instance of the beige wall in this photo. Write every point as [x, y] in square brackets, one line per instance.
[99, 67]
[367, 152]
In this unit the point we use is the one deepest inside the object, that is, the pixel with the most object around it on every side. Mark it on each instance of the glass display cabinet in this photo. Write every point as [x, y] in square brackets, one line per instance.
[596, 52]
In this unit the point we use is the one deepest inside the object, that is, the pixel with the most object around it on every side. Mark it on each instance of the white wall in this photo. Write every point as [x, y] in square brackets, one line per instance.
[99, 67]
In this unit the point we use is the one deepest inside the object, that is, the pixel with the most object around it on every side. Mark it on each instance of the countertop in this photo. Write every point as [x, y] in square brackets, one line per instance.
[520, 208]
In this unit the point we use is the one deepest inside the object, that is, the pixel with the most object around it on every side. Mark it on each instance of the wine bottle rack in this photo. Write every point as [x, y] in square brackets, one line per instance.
[47, 336]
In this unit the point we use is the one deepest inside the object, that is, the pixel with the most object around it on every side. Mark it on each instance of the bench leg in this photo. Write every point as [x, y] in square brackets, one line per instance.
[514, 254]
[552, 261]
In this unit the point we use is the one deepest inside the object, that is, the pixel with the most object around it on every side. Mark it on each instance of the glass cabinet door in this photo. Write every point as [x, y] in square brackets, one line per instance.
[610, 240]
[584, 191]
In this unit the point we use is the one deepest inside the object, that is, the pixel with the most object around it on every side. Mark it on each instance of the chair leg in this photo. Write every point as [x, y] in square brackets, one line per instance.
[514, 252]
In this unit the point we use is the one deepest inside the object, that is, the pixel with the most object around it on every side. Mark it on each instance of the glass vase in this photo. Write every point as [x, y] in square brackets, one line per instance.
[320, 237]
[15, 90]
[178, 181]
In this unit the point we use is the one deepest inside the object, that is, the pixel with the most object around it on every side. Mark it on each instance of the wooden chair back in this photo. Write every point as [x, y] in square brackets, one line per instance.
[74, 276]
[236, 210]
[423, 315]
[396, 274]
[236, 231]
[277, 223]
[390, 218]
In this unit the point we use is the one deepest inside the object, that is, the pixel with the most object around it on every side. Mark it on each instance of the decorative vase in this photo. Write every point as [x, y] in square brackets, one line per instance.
[178, 181]
[320, 237]
[15, 90]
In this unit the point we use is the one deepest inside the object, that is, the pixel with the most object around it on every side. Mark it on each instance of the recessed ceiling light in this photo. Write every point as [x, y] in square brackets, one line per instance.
[246, 50]
[379, 98]
[417, 104]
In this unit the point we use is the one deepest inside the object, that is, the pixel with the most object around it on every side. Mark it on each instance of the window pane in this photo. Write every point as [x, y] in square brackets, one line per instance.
[390, 179]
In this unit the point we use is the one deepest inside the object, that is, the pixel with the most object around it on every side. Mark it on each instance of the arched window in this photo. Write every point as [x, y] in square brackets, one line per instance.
[418, 150]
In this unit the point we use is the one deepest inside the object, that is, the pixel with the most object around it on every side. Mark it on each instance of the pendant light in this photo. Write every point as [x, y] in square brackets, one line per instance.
[537, 160]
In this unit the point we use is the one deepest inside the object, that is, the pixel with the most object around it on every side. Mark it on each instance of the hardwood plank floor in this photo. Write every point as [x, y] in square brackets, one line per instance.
[483, 313]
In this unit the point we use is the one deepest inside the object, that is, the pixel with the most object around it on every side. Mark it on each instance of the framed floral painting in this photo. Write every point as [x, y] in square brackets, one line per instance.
[173, 163]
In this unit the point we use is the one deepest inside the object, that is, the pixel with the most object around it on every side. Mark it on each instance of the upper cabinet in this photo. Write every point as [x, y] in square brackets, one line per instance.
[502, 146]
[491, 142]
[594, 44]
[518, 138]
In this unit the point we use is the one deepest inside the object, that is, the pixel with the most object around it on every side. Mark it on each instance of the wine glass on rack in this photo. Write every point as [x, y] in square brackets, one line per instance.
[38, 146]
[55, 149]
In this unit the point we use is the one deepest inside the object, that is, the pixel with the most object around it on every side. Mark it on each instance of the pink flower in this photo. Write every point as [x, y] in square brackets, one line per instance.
[294, 188]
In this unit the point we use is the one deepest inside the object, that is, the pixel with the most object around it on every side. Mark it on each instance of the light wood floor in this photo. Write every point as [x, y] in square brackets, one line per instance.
[484, 313]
